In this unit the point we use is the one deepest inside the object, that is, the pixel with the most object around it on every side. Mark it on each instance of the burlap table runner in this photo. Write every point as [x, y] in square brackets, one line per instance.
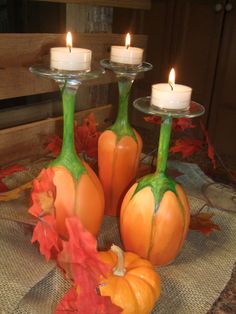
[189, 285]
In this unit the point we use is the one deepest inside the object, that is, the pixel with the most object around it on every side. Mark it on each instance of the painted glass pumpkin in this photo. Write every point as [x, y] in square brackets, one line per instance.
[155, 219]
[69, 187]
[119, 150]
[155, 213]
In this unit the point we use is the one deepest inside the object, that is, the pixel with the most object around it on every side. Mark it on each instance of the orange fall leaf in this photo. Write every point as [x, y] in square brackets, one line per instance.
[186, 146]
[202, 222]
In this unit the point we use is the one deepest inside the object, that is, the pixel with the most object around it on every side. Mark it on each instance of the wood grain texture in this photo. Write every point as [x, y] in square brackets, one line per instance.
[19, 51]
[132, 4]
[28, 140]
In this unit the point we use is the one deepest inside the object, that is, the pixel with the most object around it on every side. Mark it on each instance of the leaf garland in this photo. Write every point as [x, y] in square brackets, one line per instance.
[77, 255]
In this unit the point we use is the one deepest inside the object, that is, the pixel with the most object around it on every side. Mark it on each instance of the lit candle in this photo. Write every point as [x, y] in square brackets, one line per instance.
[126, 54]
[69, 58]
[171, 95]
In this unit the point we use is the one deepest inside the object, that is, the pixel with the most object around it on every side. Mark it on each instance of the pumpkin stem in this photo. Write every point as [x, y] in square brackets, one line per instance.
[119, 269]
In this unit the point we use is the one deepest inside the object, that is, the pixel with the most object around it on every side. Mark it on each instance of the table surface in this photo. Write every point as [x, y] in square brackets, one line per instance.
[197, 282]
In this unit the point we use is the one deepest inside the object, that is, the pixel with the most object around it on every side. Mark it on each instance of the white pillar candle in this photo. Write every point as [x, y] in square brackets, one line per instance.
[171, 96]
[126, 54]
[69, 58]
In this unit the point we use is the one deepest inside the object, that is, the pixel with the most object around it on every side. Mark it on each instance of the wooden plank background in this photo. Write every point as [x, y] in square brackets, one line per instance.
[19, 51]
[132, 4]
[26, 141]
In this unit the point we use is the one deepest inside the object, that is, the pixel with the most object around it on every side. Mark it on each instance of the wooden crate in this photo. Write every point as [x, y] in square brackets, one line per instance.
[19, 51]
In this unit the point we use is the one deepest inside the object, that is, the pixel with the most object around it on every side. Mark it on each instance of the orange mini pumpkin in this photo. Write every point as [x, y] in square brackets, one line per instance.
[133, 284]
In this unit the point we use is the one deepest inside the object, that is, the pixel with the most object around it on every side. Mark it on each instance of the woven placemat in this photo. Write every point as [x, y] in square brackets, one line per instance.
[190, 284]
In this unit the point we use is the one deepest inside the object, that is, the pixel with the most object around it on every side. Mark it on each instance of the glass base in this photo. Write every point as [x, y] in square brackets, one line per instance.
[62, 75]
[144, 105]
[125, 69]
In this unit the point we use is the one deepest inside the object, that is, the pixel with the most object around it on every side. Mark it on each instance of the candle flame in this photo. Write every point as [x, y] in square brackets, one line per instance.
[127, 40]
[69, 40]
[172, 78]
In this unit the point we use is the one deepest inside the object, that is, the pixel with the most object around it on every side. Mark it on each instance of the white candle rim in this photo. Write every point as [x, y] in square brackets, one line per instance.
[73, 49]
[183, 88]
[127, 49]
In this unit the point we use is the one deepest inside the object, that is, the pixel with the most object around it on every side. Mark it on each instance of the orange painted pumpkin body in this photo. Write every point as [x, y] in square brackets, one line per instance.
[137, 291]
[118, 160]
[82, 198]
[154, 233]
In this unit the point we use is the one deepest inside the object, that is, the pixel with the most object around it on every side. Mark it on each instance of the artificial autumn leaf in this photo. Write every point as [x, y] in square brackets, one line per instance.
[80, 260]
[86, 136]
[202, 222]
[210, 149]
[181, 124]
[43, 193]
[15, 193]
[3, 187]
[43, 196]
[45, 233]
[70, 304]
[54, 145]
[186, 146]
[7, 171]
[86, 139]
[153, 119]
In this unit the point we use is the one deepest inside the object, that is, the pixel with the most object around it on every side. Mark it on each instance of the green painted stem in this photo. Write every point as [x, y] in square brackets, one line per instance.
[164, 142]
[68, 156]
[121, 126]
[158, 181]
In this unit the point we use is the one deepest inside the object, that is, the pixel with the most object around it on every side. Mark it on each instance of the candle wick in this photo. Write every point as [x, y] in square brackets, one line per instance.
[70, 48]
[127, 46]
[171, 86]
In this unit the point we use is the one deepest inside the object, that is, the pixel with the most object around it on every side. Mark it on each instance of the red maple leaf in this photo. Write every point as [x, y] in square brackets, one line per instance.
[181, 124]
[86, 136]
[186, 146]
[43, 197]
[54, 145]
[202, 222]
[210, 149]
[80, 260]
[153, 119]
[86, 139]
[43, 193]
[7, 171]
[45, 233]
[70, 303]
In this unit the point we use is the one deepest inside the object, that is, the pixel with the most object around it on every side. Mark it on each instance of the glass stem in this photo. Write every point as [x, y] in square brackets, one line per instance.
[163, 147]
[68, 156]
[121, 126]
[68, 99]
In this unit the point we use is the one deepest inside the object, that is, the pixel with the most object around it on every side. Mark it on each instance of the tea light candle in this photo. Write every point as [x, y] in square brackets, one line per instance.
[126, 54]
[69, 58]
[171, 95]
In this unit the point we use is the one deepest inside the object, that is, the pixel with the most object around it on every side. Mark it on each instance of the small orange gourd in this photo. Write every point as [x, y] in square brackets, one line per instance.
[133, 284]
